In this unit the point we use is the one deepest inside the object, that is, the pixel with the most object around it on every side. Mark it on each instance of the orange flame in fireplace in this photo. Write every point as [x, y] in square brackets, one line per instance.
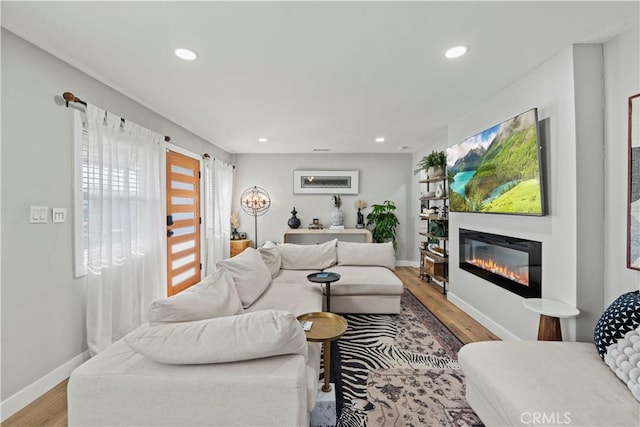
[494, 267]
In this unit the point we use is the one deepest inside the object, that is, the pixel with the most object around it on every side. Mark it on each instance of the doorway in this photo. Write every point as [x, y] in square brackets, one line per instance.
[183, 222]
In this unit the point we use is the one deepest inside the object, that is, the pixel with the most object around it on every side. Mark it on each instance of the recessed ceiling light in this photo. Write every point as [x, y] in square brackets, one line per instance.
[380, 140]
[186, 54]
[456, 52]
[262, 139]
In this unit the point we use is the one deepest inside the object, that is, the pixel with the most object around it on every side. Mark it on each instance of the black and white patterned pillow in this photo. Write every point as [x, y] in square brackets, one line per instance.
[623, 357]
[622, 316]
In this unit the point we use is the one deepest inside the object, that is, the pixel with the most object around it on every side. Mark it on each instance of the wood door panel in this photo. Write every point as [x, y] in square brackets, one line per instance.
[185, 194]
[184, 223]
[183, 208]
[183, 231]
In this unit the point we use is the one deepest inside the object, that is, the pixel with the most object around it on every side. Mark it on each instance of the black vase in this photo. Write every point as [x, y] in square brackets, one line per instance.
[293, 222]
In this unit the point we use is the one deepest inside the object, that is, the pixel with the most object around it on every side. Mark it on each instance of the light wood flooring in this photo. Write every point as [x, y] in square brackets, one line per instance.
[51, 409]
[460, 323]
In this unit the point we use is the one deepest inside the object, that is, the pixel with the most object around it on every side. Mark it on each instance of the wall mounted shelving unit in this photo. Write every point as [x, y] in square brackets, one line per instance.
[434, 233]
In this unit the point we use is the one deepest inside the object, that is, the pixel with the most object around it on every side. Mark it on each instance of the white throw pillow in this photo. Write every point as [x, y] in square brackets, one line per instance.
[308, 257]
[381, 254]
[224, 339]
[250, 274]
[271, 256]
[214, 296]
[623, 357]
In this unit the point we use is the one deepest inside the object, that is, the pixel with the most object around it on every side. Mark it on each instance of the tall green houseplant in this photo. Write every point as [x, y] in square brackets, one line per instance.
[382, 222]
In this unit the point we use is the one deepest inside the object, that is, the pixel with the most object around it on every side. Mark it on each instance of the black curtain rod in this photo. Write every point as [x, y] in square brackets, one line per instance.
[207, 156]
[69, 97]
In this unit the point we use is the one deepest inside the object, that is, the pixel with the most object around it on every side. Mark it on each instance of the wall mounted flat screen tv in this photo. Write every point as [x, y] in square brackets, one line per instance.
[498, 170]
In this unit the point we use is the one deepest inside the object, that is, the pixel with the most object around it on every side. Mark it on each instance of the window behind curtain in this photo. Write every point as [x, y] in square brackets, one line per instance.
[87, 177]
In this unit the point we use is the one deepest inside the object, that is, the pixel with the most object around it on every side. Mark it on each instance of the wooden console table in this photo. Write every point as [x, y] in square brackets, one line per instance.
[312, 237]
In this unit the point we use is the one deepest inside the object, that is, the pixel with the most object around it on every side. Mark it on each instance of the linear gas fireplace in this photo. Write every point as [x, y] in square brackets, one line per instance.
[509, 262]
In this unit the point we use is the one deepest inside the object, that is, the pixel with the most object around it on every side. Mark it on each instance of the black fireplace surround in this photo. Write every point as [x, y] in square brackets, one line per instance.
[512, 263]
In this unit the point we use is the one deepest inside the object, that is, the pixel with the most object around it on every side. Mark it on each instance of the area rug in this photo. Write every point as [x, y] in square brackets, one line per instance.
[399, 371]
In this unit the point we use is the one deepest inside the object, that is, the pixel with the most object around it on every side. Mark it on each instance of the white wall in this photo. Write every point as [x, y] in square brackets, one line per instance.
[622, 80]
[42, 304]
[550, 88]
[382, 177]
[588, 74]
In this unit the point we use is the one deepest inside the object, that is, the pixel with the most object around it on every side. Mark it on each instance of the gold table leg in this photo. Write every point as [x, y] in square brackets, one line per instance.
[327, 366]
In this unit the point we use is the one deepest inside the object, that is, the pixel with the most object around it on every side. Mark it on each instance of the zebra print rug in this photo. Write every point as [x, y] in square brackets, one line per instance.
[399, 371]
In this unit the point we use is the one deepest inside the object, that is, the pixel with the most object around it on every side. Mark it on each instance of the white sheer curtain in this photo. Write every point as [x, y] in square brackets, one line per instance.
[218, 189]
[124, 239]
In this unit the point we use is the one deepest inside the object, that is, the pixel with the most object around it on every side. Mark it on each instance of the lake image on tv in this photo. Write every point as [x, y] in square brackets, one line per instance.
[497, 171]
[460, 180]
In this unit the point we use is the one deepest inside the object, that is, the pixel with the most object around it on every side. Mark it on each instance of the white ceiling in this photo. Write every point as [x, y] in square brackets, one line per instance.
[311, 75]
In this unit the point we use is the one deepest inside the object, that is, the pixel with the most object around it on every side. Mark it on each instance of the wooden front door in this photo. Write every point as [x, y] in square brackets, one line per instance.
[183, 222]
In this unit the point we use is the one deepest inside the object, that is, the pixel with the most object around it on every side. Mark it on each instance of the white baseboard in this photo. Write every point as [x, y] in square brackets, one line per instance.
[485, 321]
[14, 403]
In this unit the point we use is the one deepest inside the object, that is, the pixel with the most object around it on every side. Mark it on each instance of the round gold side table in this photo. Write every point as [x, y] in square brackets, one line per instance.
[326, 327]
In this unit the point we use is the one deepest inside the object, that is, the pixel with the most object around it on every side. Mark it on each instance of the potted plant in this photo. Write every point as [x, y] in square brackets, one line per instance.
[438, 228]
[382, 222]
[433, 164]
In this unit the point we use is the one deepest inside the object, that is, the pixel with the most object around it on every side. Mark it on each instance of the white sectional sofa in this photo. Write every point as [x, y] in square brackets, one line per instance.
[544, 383]
[367, 283]
[560, 383]
[229, 351]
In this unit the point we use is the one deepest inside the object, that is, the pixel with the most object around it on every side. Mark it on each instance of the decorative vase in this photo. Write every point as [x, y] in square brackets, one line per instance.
[435, 172]
[440, 191]
[360, 221]
[235, 235]
[337, 217]
[294, 221]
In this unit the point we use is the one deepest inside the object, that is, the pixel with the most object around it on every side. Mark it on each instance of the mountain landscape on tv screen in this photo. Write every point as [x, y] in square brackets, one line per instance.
[497, 171]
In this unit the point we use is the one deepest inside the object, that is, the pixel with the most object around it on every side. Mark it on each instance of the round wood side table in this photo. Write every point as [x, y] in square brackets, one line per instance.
[550, 313]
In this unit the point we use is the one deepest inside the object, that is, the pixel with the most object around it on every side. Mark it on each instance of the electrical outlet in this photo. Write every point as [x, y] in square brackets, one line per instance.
[58, 215]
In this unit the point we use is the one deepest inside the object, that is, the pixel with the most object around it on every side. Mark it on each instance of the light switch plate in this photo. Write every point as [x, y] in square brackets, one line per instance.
[38, 214]
[58, 215]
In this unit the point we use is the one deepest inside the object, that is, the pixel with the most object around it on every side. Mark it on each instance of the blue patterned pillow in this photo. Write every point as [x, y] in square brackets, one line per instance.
[622, 316]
